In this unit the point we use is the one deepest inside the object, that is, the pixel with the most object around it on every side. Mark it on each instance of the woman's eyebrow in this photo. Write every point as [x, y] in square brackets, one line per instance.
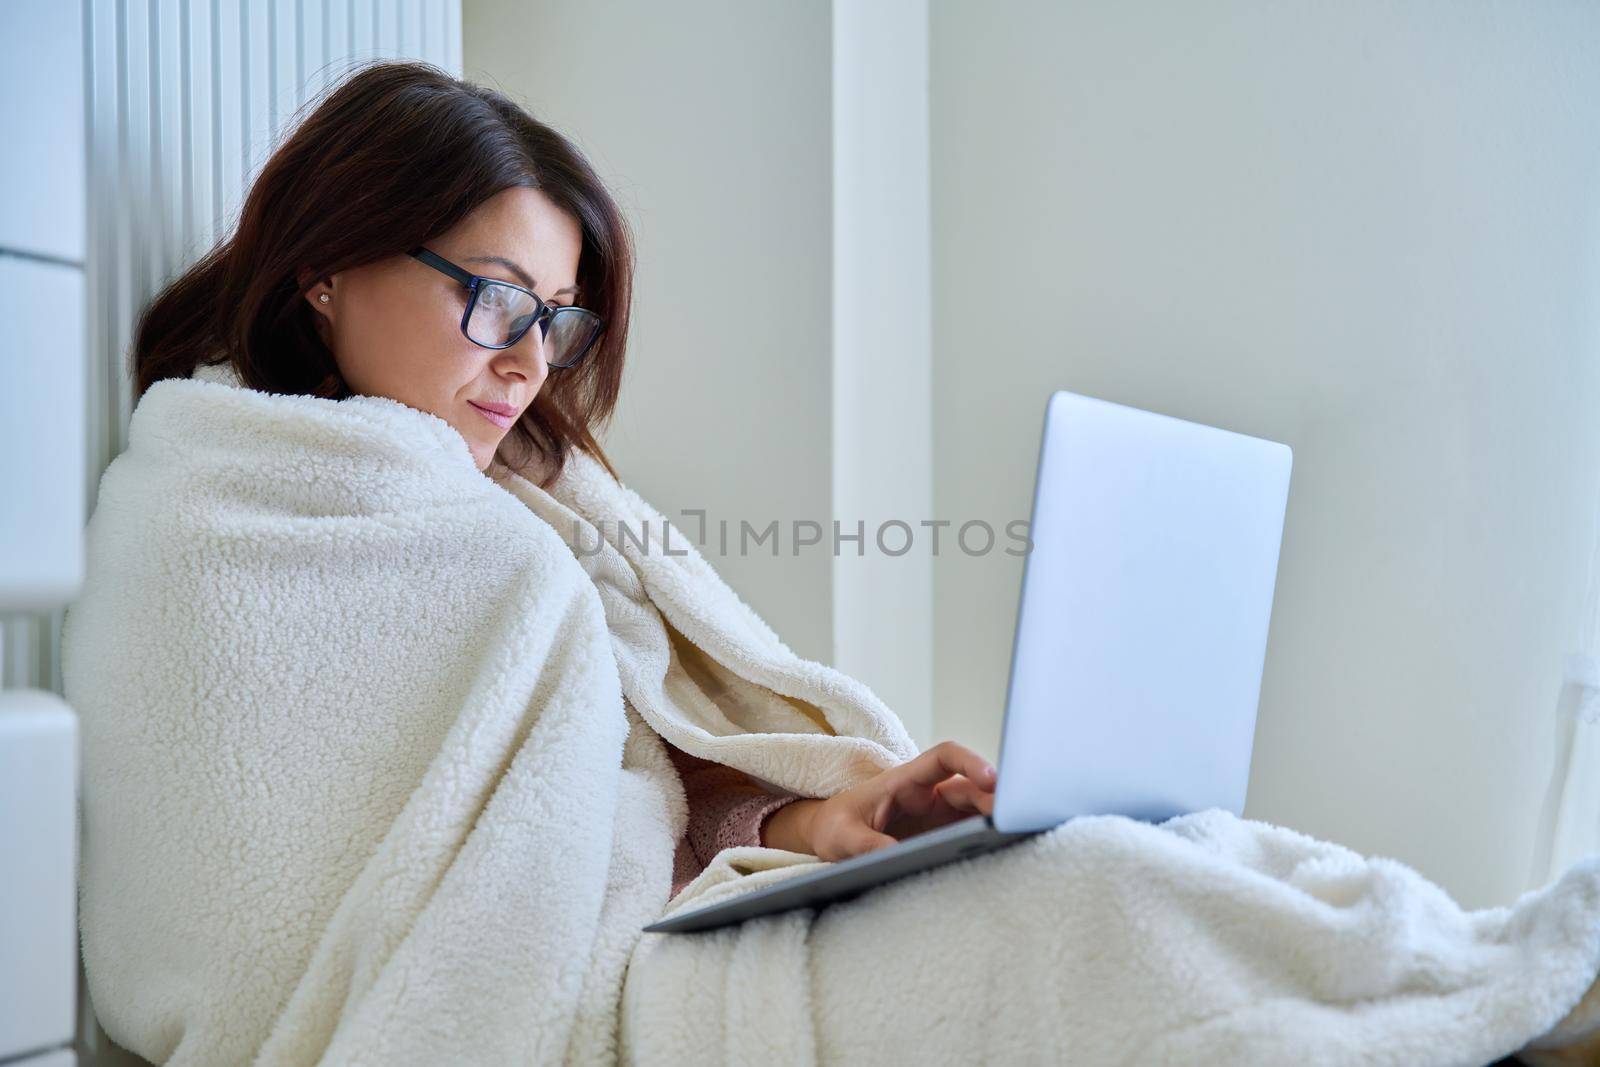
[522, 275]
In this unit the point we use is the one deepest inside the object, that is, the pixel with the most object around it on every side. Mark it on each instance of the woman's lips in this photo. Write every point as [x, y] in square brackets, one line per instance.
[502, 421]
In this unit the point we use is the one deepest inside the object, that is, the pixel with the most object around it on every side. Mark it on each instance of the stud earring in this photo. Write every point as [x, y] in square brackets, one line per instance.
[324, 298]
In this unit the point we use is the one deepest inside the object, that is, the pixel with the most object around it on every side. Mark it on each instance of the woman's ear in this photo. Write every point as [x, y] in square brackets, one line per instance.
[320, 296]
[318, 291]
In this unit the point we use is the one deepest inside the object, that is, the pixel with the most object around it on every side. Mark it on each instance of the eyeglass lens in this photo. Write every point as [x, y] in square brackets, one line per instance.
[501, 312]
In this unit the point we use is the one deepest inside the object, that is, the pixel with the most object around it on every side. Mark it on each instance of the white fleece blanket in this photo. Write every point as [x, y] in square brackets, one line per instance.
[371, 765]
[373, 774]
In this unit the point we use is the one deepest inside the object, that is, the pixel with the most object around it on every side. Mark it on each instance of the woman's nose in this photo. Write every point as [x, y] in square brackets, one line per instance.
[531, 350]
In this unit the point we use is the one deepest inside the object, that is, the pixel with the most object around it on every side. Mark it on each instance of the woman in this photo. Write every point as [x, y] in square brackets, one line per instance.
[375, 750]
[402, 243]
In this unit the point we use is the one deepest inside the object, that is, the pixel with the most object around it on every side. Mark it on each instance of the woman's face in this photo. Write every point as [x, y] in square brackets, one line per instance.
[394, 326]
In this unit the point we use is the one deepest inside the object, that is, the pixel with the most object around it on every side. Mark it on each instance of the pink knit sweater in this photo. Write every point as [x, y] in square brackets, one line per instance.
[726, 808]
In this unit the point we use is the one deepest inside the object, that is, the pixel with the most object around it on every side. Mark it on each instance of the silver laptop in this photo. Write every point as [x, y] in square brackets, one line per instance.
[1140, 641]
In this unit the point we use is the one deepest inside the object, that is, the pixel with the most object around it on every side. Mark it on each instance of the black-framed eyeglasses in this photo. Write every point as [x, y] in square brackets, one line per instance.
[499, 313]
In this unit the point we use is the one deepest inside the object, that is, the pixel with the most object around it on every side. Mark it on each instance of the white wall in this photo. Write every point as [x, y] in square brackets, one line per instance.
[883, 355]
[1369, 230]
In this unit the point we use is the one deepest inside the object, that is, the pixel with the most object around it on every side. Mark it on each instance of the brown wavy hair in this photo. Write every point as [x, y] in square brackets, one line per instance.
[392, 156]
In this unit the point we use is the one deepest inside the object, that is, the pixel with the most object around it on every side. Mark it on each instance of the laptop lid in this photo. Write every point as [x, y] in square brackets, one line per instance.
[1142, 622]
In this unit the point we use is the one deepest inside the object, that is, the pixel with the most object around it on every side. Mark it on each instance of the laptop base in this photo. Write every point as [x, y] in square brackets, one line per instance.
[844, 879]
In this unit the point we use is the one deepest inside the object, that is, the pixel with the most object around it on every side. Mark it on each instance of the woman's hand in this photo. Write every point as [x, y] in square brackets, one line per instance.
[936, 787]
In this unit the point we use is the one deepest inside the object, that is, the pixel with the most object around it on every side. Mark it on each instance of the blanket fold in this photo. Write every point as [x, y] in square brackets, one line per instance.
[374, 773]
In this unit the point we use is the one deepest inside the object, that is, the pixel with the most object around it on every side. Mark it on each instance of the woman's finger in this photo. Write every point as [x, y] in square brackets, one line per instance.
[933, 766]
[859, 838]
[967, 795]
